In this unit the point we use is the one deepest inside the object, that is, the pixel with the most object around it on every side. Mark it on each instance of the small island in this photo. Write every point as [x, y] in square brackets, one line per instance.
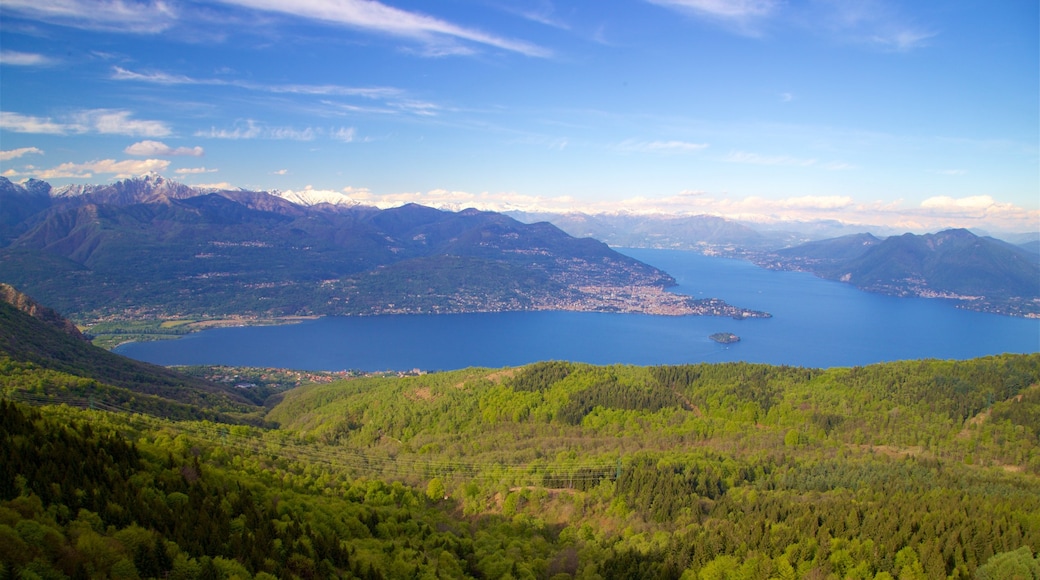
[725, 337]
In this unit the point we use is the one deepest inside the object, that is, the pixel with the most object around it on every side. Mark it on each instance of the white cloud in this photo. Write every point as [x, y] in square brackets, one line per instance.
[119, 122]
[103, 121]
[164, 78]
[193, 170]
[280, 172]
[734, 9]
[741, 16]
[839, 166]
[932, 215]
[219, 186]
[19, 123]
[661, 146]
[252, 129]
[816, 202]
[16, 153]
[377, 17]
[160, 149]
[903, 40]
[756, 159]
[345, 134]
[951, 204]
[15, 58]
[161, 78]
[147, 17]
[870, 23]
[120, 169]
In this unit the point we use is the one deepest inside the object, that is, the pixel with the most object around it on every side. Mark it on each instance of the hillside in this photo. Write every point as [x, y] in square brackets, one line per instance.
[980, 273]
[152, 248]
[45, 355]
[917, 469]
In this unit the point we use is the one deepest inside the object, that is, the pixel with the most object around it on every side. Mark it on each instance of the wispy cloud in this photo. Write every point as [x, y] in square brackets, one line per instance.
[102, 121]
[16, 153]
[119, 122]
[193, 170]
[390, 100]
[437, 36]
[873, 23]
[661, 146]
[15, 58]
[164, 78]
[870, 22]
[376, 17]
[736, 9]
[903, 40]
[161, 78]
[743, 16]
[18, 123]
[160, 149]
[110, 15]
[252, 129]
[756, 159]
[119, 169]
[345, 134]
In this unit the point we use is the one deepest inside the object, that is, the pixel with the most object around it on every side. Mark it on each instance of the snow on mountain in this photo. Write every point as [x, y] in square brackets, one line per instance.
[311, 197]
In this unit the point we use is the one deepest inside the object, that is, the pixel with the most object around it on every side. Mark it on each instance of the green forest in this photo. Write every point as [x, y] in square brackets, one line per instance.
[912, 469]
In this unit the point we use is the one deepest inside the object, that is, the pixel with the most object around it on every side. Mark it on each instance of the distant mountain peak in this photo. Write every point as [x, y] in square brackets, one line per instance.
[312, 197]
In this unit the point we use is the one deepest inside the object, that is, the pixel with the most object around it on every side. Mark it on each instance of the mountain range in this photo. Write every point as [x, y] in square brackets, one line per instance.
[979, 272]
[151, 247]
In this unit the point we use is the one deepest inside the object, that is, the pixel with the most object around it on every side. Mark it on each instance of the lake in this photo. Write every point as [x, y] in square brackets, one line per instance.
[816, 323]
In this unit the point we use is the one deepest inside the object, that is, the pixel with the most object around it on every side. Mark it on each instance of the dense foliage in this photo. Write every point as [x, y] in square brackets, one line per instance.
[913, 469]
[39, 358]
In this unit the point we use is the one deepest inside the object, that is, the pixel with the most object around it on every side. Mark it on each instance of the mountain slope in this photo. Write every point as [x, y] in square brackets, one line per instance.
[981, 272]
[35, 339]
[151, 247]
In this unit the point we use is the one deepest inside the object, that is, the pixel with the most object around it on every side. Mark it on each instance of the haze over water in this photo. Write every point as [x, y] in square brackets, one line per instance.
[815, 323]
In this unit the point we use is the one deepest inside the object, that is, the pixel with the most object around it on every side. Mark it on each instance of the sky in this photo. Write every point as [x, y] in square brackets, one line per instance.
[905, 114]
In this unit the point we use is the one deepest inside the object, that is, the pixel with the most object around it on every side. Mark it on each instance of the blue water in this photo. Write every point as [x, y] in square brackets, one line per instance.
[815, 323]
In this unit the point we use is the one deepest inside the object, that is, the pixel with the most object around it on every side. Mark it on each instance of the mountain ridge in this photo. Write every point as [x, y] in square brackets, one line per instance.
[978, 272]
[152, 247]
[35, 338]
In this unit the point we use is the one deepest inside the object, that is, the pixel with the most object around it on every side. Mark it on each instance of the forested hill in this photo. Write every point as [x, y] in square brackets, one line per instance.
[980, 273]
[43, 358]
[152, 248]
[914, 469]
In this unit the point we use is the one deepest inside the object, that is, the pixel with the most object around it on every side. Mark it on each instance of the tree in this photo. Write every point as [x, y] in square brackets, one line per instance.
[1017, 565]
[435, 489]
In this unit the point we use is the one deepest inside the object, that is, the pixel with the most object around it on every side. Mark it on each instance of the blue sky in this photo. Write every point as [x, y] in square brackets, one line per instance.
[914, 115]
